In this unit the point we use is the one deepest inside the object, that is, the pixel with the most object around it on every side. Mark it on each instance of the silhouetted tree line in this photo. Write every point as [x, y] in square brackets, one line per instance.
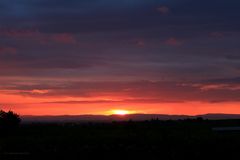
[9, 119]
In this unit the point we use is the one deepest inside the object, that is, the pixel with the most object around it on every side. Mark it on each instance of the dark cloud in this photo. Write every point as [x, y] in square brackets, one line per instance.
[163, 9]
[82, 16]
[234, 80]
[174, 42]
[7, 50]
[156, 40]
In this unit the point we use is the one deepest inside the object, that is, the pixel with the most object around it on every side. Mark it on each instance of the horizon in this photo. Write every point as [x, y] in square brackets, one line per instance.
[122, 118]
[79, 57]
[126, 115]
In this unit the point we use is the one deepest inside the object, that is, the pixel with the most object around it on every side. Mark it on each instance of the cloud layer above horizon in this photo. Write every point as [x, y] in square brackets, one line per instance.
[128, 51]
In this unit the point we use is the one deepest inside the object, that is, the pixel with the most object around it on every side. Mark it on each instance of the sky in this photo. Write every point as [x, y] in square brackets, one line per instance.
[74, 57]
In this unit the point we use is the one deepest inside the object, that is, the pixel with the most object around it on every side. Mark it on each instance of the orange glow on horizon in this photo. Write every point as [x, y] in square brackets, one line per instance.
[26, 105]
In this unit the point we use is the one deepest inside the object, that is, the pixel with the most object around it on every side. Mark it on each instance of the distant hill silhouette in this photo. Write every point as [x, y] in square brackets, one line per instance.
[134, 117]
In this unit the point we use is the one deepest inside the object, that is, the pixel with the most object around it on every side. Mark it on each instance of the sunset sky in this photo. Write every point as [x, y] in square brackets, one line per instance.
[71, 57]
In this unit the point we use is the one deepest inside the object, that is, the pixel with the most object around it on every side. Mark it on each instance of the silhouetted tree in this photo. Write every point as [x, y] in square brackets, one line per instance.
[9, 119]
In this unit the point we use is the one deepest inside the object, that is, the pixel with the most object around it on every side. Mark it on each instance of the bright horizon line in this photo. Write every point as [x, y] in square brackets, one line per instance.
[130, 114]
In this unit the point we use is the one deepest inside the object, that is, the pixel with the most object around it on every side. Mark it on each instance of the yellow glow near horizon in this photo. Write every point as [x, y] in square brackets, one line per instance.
[120, 112]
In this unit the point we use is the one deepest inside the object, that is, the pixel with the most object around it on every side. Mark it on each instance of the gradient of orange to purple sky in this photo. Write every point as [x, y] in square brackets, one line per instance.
[101, 57]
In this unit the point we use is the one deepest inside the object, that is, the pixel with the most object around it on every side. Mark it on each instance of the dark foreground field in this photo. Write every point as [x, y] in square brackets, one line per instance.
[188, 139]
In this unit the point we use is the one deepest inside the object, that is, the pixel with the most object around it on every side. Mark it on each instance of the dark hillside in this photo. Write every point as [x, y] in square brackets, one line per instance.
[188, 139]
